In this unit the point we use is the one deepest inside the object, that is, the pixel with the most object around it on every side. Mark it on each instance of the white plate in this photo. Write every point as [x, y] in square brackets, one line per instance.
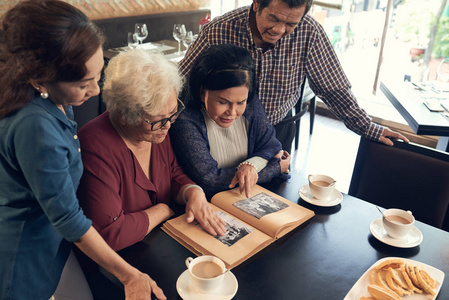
[226, 291]
[360, 288]
[413, 239]
[306, 195]
[147, 46]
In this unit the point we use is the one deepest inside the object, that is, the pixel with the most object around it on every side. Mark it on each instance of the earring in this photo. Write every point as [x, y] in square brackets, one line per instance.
[44, 95]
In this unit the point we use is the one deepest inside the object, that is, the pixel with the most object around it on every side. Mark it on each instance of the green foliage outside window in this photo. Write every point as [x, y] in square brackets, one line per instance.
[413, 21]
[441, 46]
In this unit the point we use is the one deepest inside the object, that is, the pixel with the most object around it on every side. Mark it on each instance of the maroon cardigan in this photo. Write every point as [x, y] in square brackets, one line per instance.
[114, 190]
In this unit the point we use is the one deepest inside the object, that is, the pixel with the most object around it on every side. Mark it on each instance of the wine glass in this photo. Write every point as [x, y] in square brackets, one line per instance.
[179, 32]
[141, 31]
[443, 74]
[132, 40]
[188, 40]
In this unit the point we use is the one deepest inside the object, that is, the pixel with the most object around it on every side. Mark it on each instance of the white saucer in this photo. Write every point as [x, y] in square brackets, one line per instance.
[226, 291]
[306, 195]
[413, 239]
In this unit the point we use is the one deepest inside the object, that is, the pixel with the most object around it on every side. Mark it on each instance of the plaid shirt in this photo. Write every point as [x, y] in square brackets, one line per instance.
[281, 69]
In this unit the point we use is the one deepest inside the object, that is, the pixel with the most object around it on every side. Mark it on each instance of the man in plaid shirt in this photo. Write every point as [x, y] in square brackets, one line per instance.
[287, 45]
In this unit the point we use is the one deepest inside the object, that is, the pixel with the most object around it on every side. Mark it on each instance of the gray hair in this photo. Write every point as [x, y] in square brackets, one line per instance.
[137, 82]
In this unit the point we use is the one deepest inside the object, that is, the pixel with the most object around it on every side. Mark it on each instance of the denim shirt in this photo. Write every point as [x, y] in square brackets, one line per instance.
[39, 213]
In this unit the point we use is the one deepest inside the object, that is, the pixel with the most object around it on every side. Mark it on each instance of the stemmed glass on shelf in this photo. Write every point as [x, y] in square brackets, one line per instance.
[141, 31]
[179, 32]
[188, 40]
[132, 40]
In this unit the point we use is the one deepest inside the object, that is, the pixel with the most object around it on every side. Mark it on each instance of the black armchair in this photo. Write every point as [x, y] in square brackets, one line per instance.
[405, 176]
[300, 109]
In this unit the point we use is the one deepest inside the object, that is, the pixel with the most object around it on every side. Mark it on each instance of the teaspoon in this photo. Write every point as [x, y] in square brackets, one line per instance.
[224, 272]
[382, 213]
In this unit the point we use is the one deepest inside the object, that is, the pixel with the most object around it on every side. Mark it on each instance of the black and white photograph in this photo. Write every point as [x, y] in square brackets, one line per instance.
[235, 230]
[260, 205]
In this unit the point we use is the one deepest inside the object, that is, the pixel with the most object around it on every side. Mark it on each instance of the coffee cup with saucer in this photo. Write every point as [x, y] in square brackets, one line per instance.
[204, 278]
[397, 228]
[321, 191]
[206, 272]
[397, 222]
[321, 186]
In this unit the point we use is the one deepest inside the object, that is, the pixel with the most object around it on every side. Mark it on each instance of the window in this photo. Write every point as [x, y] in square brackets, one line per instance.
[355, 28]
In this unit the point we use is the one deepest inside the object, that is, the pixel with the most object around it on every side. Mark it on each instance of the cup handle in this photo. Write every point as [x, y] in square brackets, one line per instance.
[188, 261]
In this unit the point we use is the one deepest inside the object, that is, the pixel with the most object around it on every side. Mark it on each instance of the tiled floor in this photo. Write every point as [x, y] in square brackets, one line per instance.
[330, 150]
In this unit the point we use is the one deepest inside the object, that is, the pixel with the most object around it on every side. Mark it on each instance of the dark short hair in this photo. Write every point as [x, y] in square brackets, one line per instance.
[218, 68]
[43, 40]
[290, 3]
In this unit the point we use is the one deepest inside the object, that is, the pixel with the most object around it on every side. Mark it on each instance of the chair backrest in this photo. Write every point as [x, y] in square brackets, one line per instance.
[307, 93]
[91, 109]
[406, 176]
[298, 110]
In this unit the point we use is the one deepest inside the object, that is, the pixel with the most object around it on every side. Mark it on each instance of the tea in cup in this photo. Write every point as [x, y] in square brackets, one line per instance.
[321, 186]
[206, 272]
[398, 223]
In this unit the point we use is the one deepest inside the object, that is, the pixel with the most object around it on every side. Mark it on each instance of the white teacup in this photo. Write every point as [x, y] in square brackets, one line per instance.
[321, 186]
[399, 222]
[206, 272]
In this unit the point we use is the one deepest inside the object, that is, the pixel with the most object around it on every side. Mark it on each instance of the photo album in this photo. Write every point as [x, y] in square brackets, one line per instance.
[251, 225]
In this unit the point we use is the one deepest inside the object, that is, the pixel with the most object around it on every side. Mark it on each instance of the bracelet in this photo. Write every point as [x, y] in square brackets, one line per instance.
[188, 187]
[246, 163]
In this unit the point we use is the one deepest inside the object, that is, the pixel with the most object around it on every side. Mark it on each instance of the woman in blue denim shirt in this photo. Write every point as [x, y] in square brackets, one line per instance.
[50, 59]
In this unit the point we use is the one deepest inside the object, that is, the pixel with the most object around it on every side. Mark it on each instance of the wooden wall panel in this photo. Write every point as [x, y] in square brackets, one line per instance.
[101, 9]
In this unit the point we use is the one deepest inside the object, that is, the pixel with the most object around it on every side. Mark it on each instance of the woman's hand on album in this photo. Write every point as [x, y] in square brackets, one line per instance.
[198, 208]
[246, 176]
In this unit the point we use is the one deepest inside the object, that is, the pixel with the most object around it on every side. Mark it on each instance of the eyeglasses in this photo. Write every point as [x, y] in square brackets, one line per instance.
[161, 123]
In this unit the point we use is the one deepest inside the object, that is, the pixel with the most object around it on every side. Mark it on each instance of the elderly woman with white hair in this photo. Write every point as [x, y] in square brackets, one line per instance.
[131, 176]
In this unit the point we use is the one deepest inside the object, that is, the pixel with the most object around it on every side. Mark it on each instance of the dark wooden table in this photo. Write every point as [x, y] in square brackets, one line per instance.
[409, 103]
[321, 259]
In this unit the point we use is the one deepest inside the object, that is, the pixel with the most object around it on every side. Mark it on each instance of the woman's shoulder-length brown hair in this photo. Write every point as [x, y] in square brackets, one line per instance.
[43, 40]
